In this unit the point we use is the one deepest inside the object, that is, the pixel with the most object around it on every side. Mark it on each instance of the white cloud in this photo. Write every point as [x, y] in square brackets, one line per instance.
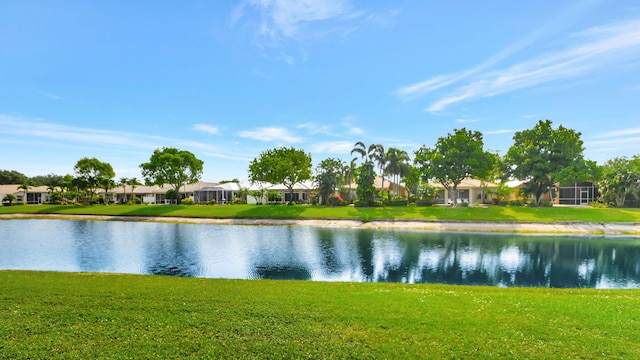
[591, 51]
[503, 131]
[618, 133]
[464, 121]
[36, 128]
[267, 134]
[313, 128]
[332, 147]
[206, 128]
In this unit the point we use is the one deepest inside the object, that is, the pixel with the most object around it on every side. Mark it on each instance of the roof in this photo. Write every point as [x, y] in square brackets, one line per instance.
[470, 183]
[13, 189]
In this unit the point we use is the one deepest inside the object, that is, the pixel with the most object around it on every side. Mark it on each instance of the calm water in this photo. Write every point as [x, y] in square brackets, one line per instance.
[319, 254]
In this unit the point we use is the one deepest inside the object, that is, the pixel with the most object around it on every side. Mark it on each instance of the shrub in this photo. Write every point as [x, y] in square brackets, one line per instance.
[397, 202]
[598, 204]
[424, 202]
[187, 201]
[336, 200]
[212, 202]
[517, 202]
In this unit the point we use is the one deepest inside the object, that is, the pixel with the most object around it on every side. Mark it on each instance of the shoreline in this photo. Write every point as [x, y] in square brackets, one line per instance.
[528, 228]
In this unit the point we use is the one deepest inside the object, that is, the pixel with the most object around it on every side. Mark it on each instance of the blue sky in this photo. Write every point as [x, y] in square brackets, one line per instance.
[226, 80]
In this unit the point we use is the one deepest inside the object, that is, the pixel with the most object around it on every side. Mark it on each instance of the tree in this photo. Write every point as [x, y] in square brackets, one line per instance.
[106, 184]
[543, 156]
[620, 180]
[454, 158]
[397, 165]
[90, 172]
[282, 165]
[9, 199]
[380, 157]
[123, 182]
[25, 188]
[10, 177]
[133, 182]
[365, 191]
[328, 177]
[172, 166]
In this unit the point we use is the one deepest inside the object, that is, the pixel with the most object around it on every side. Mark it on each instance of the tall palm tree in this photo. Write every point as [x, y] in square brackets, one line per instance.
[397, 165]
[364, 152]
[380, 157]
[24, 187]
[133, 182]
[123, 182]
[349, 174]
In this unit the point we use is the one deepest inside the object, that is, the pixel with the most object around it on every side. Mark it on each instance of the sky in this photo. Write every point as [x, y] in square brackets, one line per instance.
[227, 80]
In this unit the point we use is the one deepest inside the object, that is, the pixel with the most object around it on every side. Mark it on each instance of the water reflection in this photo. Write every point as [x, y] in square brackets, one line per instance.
[322, 254]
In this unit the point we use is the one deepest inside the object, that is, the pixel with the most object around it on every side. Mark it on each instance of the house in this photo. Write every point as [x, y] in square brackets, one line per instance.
[578, 193]
[470, 191]
[302, 192]
[35, 194]
[389, 186]
[200, 192]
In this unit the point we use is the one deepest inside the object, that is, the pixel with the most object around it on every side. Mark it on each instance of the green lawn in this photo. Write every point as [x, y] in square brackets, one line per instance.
[78, 316]
[491, 213]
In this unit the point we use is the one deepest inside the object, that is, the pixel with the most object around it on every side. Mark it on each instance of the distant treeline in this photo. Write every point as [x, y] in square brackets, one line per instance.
[15, 177]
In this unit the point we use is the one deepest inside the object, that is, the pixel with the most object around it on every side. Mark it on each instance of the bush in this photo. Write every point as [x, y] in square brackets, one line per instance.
[424, 202]
[336, 200]
[517, 202]
[360, 203]
[397, 202]
[187, 201]
[212, 202]
[598, 204]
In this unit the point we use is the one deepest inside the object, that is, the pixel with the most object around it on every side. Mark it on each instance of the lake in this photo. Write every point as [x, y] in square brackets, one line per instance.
[319, 254]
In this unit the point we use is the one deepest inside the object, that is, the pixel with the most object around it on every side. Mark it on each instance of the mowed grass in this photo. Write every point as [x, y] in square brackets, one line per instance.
[77, 316]
[490, 213]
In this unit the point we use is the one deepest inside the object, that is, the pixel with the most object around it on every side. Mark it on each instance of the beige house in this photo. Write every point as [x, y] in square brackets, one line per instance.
[470, 191]
[35, 194]
[302, 192]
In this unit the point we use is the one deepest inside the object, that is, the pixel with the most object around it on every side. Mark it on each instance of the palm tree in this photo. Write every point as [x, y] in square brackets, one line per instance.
[24, 187]
[133, 182]
[380, 157]
[349, 174]
[365, 153]
[397, 165]
[123, 182]
[106, 183]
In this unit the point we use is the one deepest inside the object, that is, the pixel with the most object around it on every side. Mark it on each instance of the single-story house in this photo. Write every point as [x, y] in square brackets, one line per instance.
[392, 188]
[302, 192]
[35, 194]
[578, 193]
[471, 191]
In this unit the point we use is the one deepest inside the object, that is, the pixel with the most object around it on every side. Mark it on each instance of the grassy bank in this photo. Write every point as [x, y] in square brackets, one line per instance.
[57, 315]
[491, 213]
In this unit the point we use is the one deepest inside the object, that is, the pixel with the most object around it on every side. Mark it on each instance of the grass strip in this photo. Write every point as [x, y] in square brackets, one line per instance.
[484, 214]
[47, 315]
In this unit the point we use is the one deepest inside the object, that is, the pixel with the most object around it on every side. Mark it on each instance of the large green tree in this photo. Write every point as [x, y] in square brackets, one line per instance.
[283, 165]
[454, 158]
[91, 172]
[328, 177]
[620, 180]
[10, 177]
[172, 166]
[544, 156]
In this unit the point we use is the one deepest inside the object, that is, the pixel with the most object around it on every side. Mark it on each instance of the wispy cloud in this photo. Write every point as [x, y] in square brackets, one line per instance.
[313, 128]
[591, 51]
[619, 133]
[37, 128]
[280, 19]
[278, 24]
[332, 147]
[50, 95]
[206, 128]
[268, 134]
[502, 131]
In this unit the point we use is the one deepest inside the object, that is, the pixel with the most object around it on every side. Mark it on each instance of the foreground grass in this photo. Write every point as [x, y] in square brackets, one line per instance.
[491, 213]
[78, 316]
